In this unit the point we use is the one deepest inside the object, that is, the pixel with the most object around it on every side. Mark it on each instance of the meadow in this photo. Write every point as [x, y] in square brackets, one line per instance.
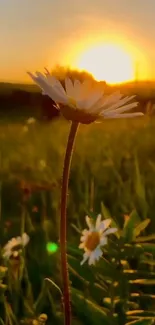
[113, 174]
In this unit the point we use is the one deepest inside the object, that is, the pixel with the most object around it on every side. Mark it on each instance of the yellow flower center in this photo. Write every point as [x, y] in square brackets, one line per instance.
[92, 241]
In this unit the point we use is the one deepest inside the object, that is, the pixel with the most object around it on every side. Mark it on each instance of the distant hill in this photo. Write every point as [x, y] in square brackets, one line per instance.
[26, 100]
[144, 88]
[10, 87]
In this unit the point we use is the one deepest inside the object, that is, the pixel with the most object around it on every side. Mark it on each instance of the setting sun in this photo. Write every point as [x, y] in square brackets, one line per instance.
[107, 62]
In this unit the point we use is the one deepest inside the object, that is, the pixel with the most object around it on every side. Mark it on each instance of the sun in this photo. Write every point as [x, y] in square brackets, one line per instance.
[107, 62]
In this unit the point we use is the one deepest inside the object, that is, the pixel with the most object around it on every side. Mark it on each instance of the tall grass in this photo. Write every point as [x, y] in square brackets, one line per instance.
[113, 173]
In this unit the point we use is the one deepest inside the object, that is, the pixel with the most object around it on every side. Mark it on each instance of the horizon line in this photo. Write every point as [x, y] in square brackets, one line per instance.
[110, 84]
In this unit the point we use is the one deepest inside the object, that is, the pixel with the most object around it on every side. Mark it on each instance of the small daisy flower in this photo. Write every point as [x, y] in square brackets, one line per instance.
[84, 102]
[14, 246]
[42, 164]
[31, 120]
[95, 237]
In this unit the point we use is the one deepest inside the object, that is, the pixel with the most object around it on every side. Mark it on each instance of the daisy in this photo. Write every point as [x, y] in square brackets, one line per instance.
[84, 102]
[31, 120]
[95, 237]
[14, 246]
[42, 164]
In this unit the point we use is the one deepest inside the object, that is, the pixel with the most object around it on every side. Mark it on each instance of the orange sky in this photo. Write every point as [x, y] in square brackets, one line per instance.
[39, 33]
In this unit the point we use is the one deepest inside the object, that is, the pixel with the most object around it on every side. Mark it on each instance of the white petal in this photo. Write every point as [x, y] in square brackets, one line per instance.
[103, 240]
[69, 87]
[89, 223]
[98, 253]
[7, 254]
[110, 231]
[89, 102]
[25, 239]
[105, 224]
[108, 101]
[55, 91]
[57, 87]
[95, 98]
[92, 258]
[126, 115]
[120, 109]
[82, 245]
[85, 257]
[77, 90]
[84, 237]
[85, 231]
[119, 103]
[18, 240]
[86, 89]
[15, 253]
[98, 221]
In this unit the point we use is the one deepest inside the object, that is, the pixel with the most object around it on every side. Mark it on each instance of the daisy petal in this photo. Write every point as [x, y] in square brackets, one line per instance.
[103, 241]
[110, 231]
[98, 253]
[77, 90]
[119, 103]
[55, 92]
[126, 115]
[82, 245]
[104, 224]
[98, 221]
[91, 259]
[89, 223]
[87, 97]
[69, 87]
[25, 239]
[85, 257]
[120, 109]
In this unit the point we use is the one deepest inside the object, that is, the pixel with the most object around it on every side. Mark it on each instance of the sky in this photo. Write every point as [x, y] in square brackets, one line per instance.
[38, 33]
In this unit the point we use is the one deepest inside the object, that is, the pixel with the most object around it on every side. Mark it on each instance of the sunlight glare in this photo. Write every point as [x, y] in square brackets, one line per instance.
[107, 62]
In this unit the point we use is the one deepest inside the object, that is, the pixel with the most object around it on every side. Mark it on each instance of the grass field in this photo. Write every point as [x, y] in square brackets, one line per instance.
[112, 173]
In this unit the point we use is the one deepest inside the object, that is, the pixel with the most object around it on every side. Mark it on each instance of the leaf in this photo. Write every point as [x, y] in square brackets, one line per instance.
[54, 285]
[145, 238]
[148, 248]
[75, 251]
[88, 309]
[106, 214]
[134, 250]
[143, 281]
[142, 296]
[129, 226]
[141, 312]
[142, 225]
[83, 271]
[148, 261]
[140, 189]
[108, 270]
[141, 321]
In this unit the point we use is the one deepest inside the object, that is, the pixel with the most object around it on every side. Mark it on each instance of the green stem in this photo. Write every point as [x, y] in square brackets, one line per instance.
[63, 247]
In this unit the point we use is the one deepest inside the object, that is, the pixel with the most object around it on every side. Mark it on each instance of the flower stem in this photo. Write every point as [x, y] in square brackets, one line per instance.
[63, 248]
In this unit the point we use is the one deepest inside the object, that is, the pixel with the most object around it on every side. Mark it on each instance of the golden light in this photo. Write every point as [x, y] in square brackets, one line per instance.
[107, 62]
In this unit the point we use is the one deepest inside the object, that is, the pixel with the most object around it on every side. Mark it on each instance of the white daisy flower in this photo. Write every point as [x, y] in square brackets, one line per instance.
[95, 237]
[84, 102]
[14, 246]
[31, 120]
[42, 164]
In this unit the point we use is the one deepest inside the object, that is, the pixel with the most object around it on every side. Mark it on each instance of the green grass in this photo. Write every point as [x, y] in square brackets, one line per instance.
[113, 173]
